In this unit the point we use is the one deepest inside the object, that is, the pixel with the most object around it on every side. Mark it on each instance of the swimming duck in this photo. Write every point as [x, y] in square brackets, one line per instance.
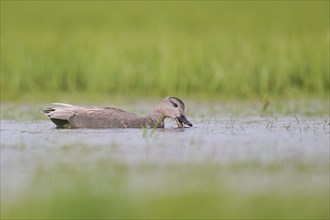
[71, 116]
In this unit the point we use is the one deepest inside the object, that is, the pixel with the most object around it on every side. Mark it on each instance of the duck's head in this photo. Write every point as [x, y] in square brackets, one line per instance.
[174, 108]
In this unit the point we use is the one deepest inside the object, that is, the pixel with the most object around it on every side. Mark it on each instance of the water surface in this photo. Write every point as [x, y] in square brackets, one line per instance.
[280, 164]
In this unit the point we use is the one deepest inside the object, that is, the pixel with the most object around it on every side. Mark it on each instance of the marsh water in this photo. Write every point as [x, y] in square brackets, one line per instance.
[241, 159]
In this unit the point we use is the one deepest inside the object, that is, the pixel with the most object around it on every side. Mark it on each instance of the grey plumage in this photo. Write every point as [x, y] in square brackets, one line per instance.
[70, 116]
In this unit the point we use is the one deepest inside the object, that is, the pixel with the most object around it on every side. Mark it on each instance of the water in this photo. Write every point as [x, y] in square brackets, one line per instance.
[243, 156]
[251, 138]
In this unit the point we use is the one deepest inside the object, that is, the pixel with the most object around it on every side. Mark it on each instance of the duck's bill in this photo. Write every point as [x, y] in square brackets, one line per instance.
[181, 120]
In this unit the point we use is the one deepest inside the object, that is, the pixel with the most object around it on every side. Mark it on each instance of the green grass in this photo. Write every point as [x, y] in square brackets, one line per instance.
[150, 49]
[109, 189]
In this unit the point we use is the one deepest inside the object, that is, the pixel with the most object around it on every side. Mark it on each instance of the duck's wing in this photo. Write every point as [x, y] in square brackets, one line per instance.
[70, 116]
[103, 118]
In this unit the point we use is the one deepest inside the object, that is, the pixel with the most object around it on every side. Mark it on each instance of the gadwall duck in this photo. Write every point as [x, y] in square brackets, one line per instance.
[70, 116]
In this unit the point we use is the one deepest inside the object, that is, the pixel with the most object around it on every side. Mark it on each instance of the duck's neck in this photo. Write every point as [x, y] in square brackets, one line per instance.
[155, 120]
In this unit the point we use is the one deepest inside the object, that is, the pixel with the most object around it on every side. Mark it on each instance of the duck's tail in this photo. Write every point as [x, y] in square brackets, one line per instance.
[60, 115]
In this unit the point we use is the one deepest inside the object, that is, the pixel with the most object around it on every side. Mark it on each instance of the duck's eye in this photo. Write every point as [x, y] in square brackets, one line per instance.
[174, 104]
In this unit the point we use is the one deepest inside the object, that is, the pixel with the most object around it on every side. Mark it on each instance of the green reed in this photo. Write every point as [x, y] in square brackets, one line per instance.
[193, 49]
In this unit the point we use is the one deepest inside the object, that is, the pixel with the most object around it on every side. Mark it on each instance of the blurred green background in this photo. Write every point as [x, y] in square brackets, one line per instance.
[61, 51]
[240, 49]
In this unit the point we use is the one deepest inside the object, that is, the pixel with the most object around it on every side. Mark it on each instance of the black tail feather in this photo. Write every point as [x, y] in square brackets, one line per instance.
[61, 123]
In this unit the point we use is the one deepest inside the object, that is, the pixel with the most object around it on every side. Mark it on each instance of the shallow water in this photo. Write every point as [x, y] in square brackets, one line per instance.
[257, 155]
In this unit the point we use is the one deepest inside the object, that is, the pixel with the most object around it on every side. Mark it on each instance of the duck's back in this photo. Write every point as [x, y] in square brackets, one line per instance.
[105, 118]
[69, 116]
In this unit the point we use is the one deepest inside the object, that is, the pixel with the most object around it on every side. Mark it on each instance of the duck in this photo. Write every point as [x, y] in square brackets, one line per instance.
[70, 116]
